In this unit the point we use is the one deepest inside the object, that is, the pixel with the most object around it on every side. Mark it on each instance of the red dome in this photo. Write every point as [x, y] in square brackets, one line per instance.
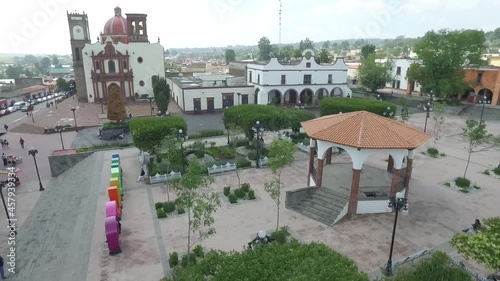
[116, 25]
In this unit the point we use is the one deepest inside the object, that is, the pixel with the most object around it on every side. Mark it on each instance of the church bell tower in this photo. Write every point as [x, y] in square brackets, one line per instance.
[80, 35]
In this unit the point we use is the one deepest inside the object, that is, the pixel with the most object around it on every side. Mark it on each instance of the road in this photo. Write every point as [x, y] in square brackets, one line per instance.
[13, 119]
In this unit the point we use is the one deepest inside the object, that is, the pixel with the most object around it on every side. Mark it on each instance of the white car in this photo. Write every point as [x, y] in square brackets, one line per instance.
[12, 109]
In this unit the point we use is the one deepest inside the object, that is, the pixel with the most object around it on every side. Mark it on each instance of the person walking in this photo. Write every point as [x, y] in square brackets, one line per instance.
[6, 144]
[141, 177]
[2, 273]
[21, 142]
[6, 127]
[4, 158]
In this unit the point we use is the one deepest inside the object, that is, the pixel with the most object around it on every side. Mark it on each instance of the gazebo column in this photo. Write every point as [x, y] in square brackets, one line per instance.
[395, 181]
[390, 164]
[409, 170]
[397, 160]
[353, 197]
[319, 173]
[312, 149]
[329, 156]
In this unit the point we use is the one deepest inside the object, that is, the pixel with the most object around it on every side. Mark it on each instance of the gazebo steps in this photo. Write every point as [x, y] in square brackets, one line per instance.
[324, 205]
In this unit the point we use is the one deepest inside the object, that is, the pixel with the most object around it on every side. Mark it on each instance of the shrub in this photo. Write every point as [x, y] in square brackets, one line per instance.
[158, 205]
[147, 132]
[243, 163]
[177, 201]
[198, 251]
[169, 207]
[180, 210]
[227, 190]
[173, 259]
[211, 133]
[486, 172]
[447, 184]
[194, 136]
[199, 154]
[251, 194]
[222, 152]
[240, 142]
[252, 155]
[240, 194]
[462, 182]
[329, 106]
[433, 152]
[158, 159]
[191, 258]
[232, 198]
[144, 96]
[245, 187]
[108, 125]
[497, 171]
[280, 236]
[161, 213]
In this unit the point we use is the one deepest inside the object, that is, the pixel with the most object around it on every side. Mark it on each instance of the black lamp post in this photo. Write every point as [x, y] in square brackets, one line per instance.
[31, 111]
[484, 100]
[102, 106]
[428, 109]
[74, 117]
[150, 99]
[33, 152]
[60, 129]
[2, 185]
[388, 112]
[258, 133]
[396, 203]
[182, 138]
[379, 97]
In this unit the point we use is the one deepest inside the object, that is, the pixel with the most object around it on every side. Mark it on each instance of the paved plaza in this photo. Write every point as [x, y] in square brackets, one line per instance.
[61, 230]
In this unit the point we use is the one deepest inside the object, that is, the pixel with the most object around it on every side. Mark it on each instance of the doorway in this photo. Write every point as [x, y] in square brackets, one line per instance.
[197, 105]
[210, 105]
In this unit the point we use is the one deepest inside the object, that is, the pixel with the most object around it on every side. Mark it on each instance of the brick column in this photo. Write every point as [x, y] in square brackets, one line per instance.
[353, 197]
[395, 180]
[311, 164]
[390, 164]
[409, 170]
[319, 173]
[329, 156]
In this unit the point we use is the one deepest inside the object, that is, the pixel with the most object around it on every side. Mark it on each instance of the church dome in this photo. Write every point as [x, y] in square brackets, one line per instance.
[116, 25]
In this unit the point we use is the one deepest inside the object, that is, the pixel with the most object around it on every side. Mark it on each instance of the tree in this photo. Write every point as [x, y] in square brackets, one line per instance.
[476, 134]
[62, 85]
[199, 204]
[443, 55]
[30, 60]
[55, 61]
[438, 116]
[326, 45]
[14, 71]
[170, 149]
[306, 44]
[148, 132]
[345, 45]
[324, 56]
[45, 63]
[367, 50]
[116, 106]
[287, 52]
[230, 56]
[265, 48]
[281, 153]
[161, 92]
[484, 246]
[374, 75]
[275, 261]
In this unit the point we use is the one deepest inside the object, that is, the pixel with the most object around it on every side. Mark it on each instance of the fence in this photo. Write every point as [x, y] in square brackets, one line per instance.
[301, 146]
[164, 178]
[215, 169]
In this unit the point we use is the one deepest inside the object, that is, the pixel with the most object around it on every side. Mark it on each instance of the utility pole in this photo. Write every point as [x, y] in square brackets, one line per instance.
[279, 42]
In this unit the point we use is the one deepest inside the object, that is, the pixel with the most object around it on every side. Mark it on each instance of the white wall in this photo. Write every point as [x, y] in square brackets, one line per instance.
[203, 93]
[404, 64]
[372, 207]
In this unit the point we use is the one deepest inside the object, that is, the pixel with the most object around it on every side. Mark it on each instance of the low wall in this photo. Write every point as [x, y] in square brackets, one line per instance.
[294, 197]
[60, 163]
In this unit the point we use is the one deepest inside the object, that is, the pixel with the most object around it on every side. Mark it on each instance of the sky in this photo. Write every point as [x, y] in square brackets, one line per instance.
[41, 27]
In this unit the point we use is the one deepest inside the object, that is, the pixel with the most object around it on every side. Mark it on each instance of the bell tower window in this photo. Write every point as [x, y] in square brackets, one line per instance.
[111, 67]
[77, 54]
[97, 65]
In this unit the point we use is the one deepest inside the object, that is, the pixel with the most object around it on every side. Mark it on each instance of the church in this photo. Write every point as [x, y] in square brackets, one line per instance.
[122, 60]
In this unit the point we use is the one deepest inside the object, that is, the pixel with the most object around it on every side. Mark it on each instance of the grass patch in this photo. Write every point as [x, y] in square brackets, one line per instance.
[433, 152]
[497, 171]
[447, 184]
[245, 192]
[486, 172]
[109, 125]
[462, 182]
[104, 147]
[208, 133]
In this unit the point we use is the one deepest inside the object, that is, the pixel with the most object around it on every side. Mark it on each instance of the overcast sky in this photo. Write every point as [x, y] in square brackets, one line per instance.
[40, 26]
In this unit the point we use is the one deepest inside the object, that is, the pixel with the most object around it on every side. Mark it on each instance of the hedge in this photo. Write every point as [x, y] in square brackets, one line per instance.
[329, 106]
[149, 131]
[271, 118]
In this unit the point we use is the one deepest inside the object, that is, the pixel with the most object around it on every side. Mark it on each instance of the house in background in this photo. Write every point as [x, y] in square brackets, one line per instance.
[485, 81]
[399, 70]
[303, 83]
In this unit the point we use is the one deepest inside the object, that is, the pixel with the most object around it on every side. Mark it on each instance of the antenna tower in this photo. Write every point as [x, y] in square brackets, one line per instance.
[280, 25]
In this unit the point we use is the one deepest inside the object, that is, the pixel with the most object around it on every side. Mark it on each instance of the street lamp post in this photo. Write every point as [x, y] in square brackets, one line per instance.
[2, 185]
[31, 111]
[150, 99]
[428, 109]
[33, 152]
[484, 100]
[379, 97]
[182, 138]
[259, 131]
[60, 129]
[396, 203]
[74, 117]
[388, 112]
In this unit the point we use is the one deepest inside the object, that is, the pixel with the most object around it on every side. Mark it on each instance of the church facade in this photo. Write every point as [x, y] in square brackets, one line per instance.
[122, 60]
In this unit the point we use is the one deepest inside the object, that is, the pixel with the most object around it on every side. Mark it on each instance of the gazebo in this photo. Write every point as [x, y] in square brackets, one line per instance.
[362, 134]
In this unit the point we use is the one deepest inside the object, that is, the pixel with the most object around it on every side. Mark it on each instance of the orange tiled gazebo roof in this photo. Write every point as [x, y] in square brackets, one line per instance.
[362, 129]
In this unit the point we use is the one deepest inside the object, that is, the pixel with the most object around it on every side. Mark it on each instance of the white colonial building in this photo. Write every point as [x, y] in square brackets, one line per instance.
[399, 70]
[303, 83]
[209, 93]
[122, 60]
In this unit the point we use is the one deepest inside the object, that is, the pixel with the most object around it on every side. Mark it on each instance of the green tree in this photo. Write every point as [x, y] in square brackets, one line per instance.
[345, 45]
[443, 55]
[281, 153]
[374, 75]
[62, 85]
[199, 205]
[367, 50]
[326, 45]
[438, 116]
[306, 44]
[276, 261]
[265, 48]
[45, 63]
[170, 151]
[116, 107]
[148, 132]
[287, 52]
[30, 60]
[476, 134]
[483, 247]
[14, 71]
[230, 56]
[161, 92]
[55, 61]
[324, 56]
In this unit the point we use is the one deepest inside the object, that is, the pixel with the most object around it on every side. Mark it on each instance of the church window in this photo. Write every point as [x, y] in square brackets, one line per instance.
[139, 60]
[111, 67]
[97, 66]
[141, 83]
[124, 64]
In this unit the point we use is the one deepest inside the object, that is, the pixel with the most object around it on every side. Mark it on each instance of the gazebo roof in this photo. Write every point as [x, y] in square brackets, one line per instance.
[362, 129]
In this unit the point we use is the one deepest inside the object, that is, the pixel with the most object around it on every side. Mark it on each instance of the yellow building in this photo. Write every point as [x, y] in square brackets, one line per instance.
[494, 60]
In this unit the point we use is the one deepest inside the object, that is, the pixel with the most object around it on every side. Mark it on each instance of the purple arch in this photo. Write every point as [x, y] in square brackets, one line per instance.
[112, 235]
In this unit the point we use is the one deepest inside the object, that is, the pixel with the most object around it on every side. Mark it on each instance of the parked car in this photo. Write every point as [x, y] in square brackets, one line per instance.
[12, 109]
[26, 108]
[4, 112]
